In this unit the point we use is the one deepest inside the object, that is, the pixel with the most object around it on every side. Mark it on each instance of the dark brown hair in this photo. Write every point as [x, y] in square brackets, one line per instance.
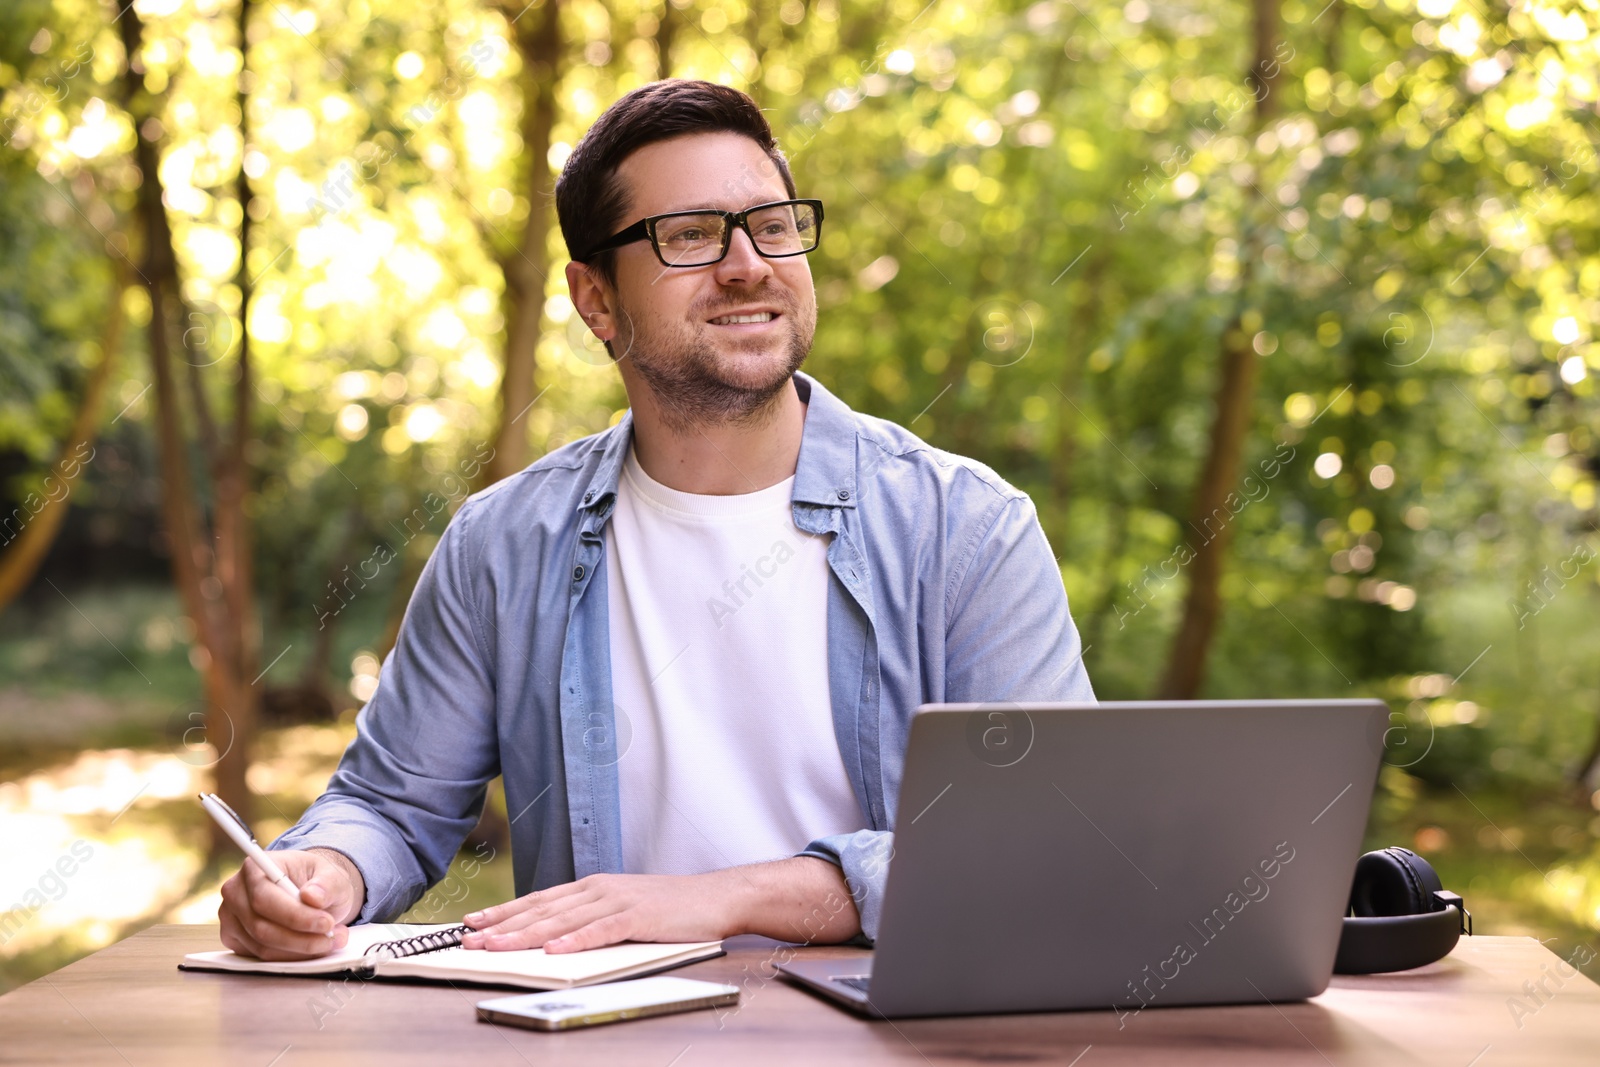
[590, 197]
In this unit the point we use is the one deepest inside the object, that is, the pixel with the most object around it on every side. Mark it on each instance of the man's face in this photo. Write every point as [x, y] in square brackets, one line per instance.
[673, 323]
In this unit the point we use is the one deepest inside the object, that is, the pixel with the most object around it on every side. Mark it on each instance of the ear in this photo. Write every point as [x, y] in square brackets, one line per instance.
[593, 297]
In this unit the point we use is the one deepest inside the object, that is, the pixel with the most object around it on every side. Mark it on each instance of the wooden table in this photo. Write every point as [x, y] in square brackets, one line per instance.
[129, 1004]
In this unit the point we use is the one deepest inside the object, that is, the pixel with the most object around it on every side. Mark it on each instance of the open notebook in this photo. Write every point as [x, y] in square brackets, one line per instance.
[402, 950]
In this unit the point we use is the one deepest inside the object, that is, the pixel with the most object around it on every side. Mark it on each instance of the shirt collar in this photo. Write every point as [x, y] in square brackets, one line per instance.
[825, 474]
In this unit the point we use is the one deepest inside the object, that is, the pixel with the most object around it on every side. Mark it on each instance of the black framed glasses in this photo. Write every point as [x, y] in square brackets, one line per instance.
[699, 238]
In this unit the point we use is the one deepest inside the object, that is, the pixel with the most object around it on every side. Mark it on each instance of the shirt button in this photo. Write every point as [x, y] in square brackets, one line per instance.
[577, 574]
[844, 494]
[588, 497]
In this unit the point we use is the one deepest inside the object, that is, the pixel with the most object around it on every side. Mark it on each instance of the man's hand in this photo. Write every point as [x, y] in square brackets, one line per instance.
[799, 899]
[259, 918]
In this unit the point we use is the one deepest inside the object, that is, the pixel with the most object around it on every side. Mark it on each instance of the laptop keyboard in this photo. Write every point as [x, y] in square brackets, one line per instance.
[858, 982]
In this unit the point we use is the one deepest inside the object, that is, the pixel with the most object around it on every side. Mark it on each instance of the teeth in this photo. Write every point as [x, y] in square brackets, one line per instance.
[729, 320]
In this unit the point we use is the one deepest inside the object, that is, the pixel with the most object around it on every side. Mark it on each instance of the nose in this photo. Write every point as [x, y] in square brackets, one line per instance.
[743, 265]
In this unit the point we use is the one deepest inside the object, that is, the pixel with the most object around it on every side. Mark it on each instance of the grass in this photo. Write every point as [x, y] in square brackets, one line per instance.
[112, 668]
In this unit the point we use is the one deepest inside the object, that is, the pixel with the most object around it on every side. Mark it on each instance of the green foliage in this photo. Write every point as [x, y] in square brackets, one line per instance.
[1042, 219]
[1402, 274]
[53, 287]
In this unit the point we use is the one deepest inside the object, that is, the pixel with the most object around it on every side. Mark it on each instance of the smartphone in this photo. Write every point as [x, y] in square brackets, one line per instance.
[611, 1002]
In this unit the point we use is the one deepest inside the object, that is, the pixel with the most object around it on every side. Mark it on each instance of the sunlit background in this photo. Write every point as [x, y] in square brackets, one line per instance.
[1305, 292]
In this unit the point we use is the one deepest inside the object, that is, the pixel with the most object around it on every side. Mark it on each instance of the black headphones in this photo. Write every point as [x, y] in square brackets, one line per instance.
[1400, 915]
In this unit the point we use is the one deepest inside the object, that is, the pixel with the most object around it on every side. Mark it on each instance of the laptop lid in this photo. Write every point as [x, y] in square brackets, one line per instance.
[1125, 855]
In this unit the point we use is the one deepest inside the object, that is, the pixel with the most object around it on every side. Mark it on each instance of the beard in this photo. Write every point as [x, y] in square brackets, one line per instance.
[694, 384]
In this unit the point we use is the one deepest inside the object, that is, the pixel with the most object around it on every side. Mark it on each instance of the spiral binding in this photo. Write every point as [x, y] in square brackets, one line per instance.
[416, 946]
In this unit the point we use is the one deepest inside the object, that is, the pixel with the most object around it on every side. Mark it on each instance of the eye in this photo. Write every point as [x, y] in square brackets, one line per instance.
[686, 232]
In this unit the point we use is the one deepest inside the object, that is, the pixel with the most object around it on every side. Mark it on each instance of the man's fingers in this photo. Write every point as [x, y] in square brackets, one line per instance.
[233, 895]
[285, 943]
[260, 918]
[246, 932]
[482, 920]
[607, 930]
[234, 937]
[274, 903]
[542, 911]
[535, 934]
[321, 894]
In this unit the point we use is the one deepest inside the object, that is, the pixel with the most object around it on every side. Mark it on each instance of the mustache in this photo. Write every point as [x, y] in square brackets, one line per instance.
[765, 295]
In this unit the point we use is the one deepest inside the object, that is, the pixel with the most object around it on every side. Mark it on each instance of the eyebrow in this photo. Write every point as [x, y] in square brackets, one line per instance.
[712, 207]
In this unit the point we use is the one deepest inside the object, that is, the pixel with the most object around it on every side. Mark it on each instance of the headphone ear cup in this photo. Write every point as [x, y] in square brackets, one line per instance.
[1393, 881]
[1395, 921]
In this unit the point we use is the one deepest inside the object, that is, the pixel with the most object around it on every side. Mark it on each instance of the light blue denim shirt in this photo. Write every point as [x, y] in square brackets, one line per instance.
[943, 589]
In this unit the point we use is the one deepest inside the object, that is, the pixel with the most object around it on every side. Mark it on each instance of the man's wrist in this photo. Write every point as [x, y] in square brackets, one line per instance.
[358, 884]
[830, 908]
[802, 899]
[743, 901]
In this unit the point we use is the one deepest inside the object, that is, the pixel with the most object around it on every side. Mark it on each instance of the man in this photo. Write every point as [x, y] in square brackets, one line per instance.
[692, 644]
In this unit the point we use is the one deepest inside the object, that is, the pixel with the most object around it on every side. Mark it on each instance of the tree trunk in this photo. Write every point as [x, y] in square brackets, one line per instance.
[1235, 394]
[209, 560]
[235, 567]
[21, 561]
[1332, 33]
[1583, 776]
[666, 30]
[525, 267]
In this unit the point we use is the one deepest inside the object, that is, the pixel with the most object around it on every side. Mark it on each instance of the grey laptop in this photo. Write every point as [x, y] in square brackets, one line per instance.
[1116, 856]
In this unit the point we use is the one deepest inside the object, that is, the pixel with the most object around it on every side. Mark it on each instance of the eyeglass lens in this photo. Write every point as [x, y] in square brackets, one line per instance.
[698, 239]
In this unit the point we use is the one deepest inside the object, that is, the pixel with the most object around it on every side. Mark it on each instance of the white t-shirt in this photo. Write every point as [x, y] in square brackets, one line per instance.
[719, 674]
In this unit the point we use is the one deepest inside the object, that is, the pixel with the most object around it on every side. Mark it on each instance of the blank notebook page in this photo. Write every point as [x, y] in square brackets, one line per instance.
[562, 969]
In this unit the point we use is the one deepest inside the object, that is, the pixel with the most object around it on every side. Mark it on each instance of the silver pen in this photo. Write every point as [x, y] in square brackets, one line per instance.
[235, 828]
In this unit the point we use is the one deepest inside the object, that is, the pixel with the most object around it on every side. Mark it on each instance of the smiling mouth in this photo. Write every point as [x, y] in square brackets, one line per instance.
[737, 320]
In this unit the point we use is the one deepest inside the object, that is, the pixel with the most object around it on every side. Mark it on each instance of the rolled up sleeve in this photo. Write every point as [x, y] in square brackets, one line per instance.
[863, 858]
[412, 783]
[1009, 635]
